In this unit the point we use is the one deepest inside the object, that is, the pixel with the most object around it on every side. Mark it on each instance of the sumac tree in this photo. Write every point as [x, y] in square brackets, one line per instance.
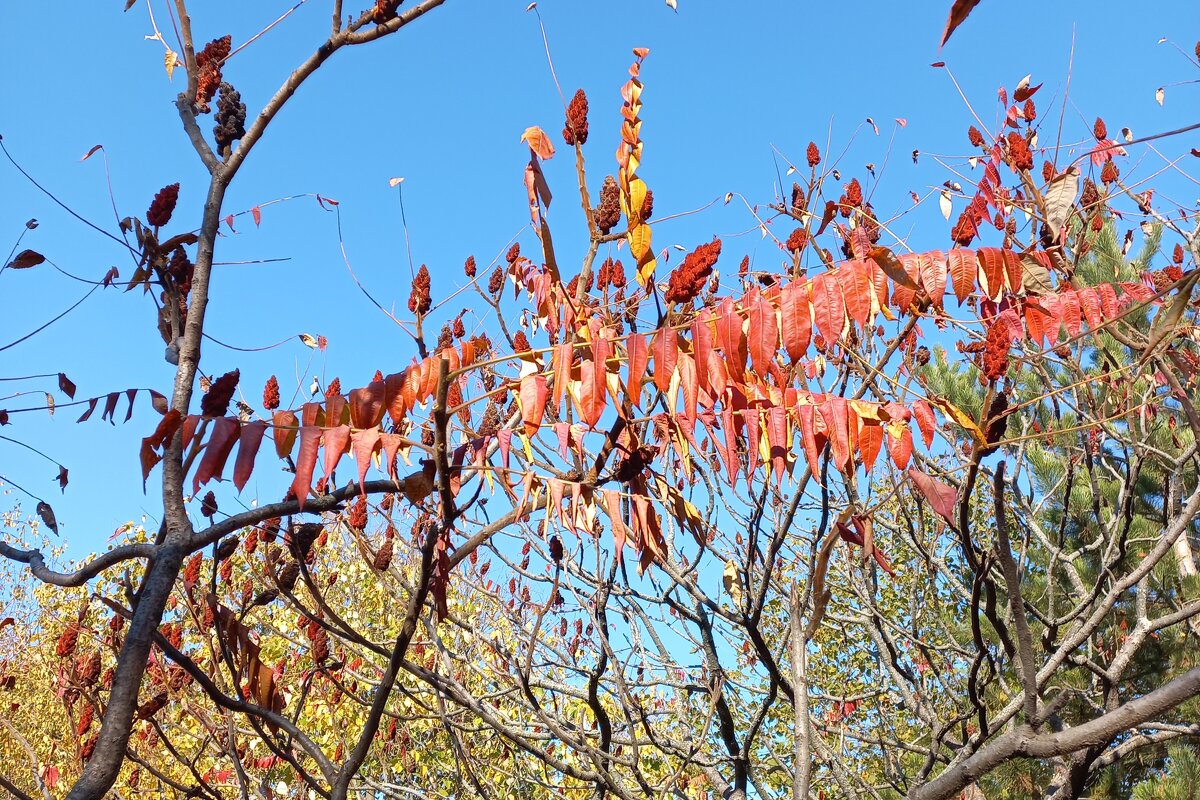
[860, 521]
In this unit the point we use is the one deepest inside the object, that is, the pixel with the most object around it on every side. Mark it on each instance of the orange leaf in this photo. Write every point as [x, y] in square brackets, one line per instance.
[763, 334]
[933, 275]
[829, 310]
[963, 270]
[638, 355]
[538, 142]
[796, 318]
[533, 402]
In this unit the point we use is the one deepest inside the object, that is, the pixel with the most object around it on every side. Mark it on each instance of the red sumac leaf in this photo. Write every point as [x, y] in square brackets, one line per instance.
[1071, 311]
[702, 345]
[941, 497]
[26, 259]
[285, 426]
[925, 421]
[963, 270]
[66, 386]
[731, 337]
[764, 334]
[796, 317]
[532, 397]
[1089, 304]
[366, 405]
[855, 282]
[665, 351]
[991, 271]
[256, 212]
[829, 310]
[91, 407]
[933, 276]
[363, 444]
[593, 391]
[249, 441]
[224, 435]
[638, 354]
[870, 442]
[808, 433]
[337, 439]
[306, 462]
[561, 364]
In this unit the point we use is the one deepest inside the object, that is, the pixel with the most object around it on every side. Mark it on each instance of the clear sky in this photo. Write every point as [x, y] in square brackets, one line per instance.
[443, 105]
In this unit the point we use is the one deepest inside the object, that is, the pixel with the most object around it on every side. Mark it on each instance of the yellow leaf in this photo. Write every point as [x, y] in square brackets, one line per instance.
[171, 61]
[637, 197]
[639, 242]
[962, 418]
[733, 582]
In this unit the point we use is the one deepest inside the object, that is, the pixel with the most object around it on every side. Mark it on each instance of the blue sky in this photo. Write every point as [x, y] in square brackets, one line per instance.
[443, 104]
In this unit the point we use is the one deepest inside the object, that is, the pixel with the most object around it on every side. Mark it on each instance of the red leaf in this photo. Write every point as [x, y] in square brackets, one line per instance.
[110, 407]
[639, 354]
[363, 444]
[306, 462]
[836, 413]
[900, 448]
[1089, 303]
[337, 439]
[870, 442]
[796, 318]
[220, 443]
[925, 421]
[593, 392]
[702, 345]
[285, 427]
[963, 270]
[941, 498]
[933, 276]
[855, 282]
[533, 402]
[248, 443]
[366, 405]
[829, 310]
[902, 294]
[688, 382]
[731, 338]
[1071, 312]
[612, 501]
[777, 439]
[26, 259]
[665, 351]
[561, 364]
[764, 335]
[808, 431]
[1053, 307]
[256, 212]
[991, 270]
[66, 386]
[91, 407]
[752, 418]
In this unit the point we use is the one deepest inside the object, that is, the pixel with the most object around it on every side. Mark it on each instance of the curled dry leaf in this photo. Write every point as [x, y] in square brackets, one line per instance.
[1060, 199]
[47, 514]
[538, 142]
[26, 259]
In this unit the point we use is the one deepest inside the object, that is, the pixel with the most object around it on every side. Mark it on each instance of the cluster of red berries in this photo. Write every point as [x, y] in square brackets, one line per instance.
[688, 279]
[576, 130]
